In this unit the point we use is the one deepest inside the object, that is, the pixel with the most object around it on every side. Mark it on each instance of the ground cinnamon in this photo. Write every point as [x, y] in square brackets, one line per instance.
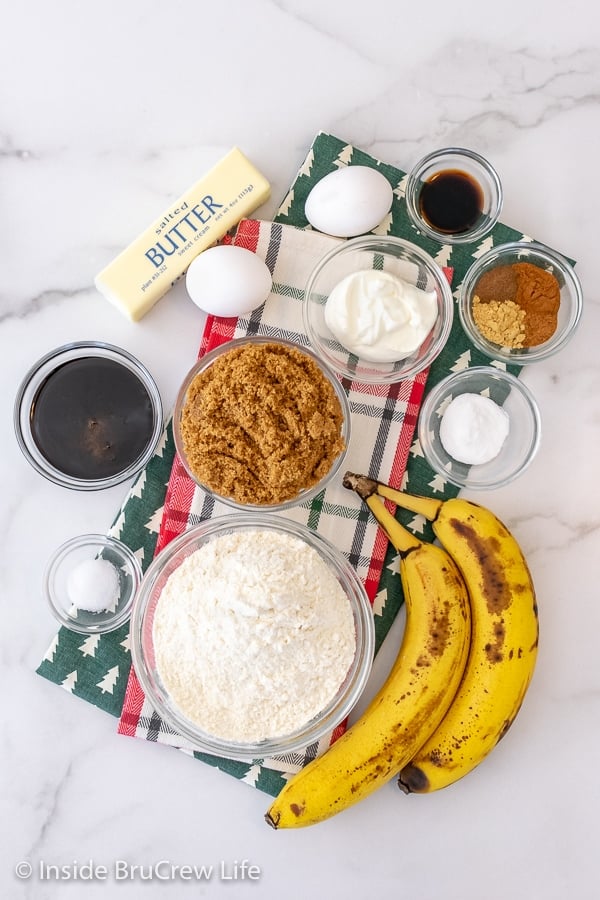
[538, 293]
[517, 305]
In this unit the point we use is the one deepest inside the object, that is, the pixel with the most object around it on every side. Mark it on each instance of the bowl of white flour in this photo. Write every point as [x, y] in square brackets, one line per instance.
[252, 636]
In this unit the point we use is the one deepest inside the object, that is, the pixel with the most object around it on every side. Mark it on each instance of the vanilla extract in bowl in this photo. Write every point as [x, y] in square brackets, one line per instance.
[451, 201]
[453, 196]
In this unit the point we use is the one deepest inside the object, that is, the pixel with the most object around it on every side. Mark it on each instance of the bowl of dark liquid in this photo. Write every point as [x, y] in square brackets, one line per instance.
[88, 415]
[454, 196]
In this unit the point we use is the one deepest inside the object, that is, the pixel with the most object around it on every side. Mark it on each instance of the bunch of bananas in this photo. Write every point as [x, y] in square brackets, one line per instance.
[462, 671]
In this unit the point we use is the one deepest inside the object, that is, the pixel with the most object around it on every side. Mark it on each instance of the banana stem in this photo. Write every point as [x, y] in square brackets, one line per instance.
[398, 535]
[366, 487]
[360, 484]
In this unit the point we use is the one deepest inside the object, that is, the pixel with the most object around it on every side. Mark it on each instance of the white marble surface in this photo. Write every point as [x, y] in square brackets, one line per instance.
[107, 112]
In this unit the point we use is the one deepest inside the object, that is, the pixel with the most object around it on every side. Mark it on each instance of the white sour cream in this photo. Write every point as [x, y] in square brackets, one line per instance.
[378, 316]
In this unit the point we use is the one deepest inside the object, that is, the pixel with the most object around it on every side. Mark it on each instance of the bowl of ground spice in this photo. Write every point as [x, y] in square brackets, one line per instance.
[252, 636]
[520, 302]
[261, 424]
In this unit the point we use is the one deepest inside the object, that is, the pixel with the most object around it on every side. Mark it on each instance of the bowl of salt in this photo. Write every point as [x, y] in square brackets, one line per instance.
[90, 582]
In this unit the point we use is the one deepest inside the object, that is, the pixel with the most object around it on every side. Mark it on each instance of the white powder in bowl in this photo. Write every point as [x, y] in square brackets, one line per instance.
[253, 635]
[473, 429]
[93, 585]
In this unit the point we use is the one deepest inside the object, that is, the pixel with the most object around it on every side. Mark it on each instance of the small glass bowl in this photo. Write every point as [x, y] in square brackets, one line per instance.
[142, 648]
[569, 312]
[207, 360]
[520, 446]
[33, 383]
[393, 255]
[470, 164]
[67, 558]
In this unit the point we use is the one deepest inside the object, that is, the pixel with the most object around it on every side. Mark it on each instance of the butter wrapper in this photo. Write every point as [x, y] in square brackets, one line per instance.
[143, 272]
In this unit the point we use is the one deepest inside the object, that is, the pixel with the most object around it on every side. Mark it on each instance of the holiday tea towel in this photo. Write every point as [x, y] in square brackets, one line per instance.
[383, 421]
[96, 669]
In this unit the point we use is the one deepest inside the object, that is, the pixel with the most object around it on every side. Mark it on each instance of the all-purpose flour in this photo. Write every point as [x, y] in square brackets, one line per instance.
[253, 635]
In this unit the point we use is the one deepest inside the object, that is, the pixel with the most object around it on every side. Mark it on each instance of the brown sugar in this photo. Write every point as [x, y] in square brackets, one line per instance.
[261, 424]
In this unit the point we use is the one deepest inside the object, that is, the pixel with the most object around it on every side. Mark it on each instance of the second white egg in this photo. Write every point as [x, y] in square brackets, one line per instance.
[228, 281]
[349, 201]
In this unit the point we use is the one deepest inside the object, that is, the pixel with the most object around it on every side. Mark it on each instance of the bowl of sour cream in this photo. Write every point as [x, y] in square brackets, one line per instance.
[377, 309]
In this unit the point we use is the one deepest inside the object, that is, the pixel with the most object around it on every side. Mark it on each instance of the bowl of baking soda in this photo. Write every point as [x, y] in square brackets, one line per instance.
[252, 636]
[479, 428]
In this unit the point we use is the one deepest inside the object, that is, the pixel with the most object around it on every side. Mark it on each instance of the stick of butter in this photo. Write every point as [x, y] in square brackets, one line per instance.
[144, 271]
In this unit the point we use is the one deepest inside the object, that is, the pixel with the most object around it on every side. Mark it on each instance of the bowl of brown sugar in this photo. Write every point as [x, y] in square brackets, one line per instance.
[261, 424]
[520, 302]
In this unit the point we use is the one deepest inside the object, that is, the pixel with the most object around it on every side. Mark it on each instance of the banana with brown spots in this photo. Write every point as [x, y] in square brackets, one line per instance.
[504, 638]
[419, 689]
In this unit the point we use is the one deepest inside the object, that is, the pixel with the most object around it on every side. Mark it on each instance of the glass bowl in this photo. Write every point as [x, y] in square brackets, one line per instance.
[88, 415]
[569, 312]
[62, 587]
[519, 447]
[142, 644]
[202, 365]
[461, 188]
[389, 254]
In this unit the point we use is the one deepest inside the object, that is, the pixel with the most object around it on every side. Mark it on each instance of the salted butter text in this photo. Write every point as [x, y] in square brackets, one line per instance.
[184, 230]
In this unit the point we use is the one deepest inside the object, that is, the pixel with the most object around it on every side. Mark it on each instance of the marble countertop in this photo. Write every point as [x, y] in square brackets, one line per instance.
[107, 113]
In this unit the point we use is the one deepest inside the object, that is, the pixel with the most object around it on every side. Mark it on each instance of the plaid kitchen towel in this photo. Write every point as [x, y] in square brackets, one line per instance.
[383, 422]
[97, 669]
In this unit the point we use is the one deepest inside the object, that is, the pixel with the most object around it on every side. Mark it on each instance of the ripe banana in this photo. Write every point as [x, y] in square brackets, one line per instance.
[504, 639]
[411, 703]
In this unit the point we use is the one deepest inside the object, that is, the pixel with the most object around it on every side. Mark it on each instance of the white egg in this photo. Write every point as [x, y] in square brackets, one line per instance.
[349, 201]
[228, 281]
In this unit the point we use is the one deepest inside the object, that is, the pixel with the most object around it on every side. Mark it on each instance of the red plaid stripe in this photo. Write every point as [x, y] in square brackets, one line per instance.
[392, 419]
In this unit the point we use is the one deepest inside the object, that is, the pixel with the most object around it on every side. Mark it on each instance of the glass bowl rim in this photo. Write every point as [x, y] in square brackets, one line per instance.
[61, 553]
[334, 713]
[33, 380]
[412, 190]
[526, 355]
[433, 399]
[204, 362]
[433, 269]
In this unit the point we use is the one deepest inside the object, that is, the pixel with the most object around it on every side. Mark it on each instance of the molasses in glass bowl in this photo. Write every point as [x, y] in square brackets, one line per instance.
[88, 415]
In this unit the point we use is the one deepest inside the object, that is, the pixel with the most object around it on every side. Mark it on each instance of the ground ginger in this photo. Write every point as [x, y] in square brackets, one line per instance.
[500, 321]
